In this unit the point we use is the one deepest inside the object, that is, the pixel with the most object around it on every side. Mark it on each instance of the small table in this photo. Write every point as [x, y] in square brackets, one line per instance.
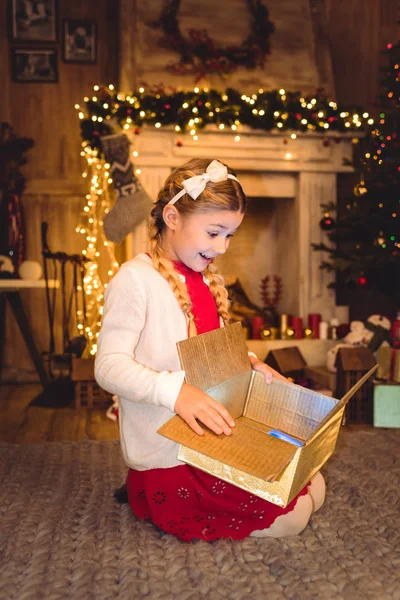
[10, 291]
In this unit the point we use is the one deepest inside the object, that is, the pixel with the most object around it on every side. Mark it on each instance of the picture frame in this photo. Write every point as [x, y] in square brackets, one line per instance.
[34, 65]
[79, 41]
[33, 21]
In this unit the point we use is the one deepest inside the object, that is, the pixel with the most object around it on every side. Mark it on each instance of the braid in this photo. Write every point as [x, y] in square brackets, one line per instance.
[219, 291]
[217, 196]
[166, 269]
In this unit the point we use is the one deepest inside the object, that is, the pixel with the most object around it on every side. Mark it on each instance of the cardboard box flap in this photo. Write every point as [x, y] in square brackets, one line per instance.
[291, 408]
[341, 403]
[357, 386]
[247, 449]
[232, 393]
[211, 358]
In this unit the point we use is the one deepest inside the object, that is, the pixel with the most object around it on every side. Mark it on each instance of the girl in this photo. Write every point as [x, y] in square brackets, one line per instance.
[153, 302]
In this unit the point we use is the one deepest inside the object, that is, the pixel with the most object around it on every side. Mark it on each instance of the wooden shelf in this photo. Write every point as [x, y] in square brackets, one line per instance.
[314, 351]
[19, 284]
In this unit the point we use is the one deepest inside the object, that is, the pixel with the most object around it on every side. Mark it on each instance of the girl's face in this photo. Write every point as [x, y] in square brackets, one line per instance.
[198, 238]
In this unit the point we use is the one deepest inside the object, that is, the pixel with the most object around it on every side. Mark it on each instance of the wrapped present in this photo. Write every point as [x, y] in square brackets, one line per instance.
[386, 404]
[283, 433]
[389, 364]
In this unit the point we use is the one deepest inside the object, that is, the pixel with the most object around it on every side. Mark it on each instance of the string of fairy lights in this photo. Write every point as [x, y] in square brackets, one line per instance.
[101, 264]
[109, 111]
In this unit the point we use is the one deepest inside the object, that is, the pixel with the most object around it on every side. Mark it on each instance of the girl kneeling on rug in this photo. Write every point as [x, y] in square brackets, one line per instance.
[153, 302]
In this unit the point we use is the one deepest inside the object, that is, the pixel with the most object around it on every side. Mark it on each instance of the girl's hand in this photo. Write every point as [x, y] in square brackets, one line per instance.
[268, 372]
[193, 404]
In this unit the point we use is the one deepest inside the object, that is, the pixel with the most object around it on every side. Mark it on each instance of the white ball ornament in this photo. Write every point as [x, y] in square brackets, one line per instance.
[30, 269]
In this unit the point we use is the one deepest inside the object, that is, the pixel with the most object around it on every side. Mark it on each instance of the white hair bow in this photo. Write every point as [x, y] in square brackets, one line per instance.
[193, 186]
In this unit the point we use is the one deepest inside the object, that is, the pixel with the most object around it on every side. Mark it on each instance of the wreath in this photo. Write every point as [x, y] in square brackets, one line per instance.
[199, 53]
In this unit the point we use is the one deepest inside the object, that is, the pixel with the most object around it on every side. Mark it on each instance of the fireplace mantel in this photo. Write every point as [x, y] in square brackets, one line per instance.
[268, 165]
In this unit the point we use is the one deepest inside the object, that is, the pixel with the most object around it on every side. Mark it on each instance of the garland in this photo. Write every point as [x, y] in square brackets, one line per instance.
[109, 111]
[200, 55]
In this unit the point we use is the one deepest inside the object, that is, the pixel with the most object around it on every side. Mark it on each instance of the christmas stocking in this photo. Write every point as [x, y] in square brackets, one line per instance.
[132, 204]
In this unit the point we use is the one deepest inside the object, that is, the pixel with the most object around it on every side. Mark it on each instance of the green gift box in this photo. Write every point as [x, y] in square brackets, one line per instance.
[386, 405]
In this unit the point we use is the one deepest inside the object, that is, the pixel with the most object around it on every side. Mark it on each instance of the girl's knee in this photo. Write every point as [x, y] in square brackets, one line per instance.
[317, 491]
[291, 523]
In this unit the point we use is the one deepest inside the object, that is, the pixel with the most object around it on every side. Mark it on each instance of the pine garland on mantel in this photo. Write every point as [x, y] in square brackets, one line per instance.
[109, 111]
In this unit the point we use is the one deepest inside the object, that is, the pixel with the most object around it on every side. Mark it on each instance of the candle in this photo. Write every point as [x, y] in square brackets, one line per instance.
[323, 330]
[257, 324]
[314, 320]
[283, 325]
[297, 324]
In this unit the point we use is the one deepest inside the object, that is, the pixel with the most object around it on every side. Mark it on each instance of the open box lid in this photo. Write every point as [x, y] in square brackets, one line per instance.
[217, 362]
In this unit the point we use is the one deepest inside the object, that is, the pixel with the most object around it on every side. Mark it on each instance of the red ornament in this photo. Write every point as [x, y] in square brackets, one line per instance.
[167, 106]
[298, 116]
[326, 143]
[285, 141]
[362, 281]
[137, 131]
[179, 143]
[327, 223]
[338, 139]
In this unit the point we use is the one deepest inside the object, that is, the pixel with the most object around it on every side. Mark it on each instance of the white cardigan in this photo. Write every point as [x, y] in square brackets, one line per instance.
[137, 360]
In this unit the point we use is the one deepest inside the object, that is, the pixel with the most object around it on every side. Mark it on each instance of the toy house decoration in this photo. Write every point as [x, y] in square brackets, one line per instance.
[288, 361]
[283, 434]
[353, 363]
[87, 392]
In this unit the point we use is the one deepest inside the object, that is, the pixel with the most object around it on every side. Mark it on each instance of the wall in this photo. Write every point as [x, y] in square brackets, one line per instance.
[299, 58]
[55, 189]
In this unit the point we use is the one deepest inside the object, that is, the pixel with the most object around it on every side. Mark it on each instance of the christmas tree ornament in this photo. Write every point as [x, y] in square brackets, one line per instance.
[326, 223]
[132, 204]
[362, 281]
[360, 189]
[30, 269]
[380, 241]
[326, 143]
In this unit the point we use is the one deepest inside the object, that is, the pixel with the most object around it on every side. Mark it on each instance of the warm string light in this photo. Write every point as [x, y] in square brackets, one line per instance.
[101, 264]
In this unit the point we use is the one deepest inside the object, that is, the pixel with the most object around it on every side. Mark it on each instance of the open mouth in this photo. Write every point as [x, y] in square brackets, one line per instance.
[205, 256]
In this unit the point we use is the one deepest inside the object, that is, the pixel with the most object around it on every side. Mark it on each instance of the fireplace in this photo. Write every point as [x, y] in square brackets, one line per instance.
[286, 181]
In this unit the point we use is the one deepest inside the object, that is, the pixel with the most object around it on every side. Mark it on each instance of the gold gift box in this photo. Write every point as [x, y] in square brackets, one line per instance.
[271, 468]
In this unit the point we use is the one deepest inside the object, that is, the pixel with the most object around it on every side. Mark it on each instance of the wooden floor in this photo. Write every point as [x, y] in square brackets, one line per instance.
[24, 424]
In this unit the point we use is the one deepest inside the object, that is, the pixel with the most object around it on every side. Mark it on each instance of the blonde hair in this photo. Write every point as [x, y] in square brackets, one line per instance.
[224, 195]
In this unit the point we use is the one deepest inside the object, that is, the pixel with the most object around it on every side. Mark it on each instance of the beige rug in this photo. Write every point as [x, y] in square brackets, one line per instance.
[62, 535]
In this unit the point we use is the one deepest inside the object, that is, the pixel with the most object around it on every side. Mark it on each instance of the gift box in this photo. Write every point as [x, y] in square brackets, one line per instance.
[389, 363]
[386, 405]
[283, 433]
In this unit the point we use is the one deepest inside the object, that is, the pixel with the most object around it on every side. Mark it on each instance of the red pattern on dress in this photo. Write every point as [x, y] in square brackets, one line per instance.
[189, 503]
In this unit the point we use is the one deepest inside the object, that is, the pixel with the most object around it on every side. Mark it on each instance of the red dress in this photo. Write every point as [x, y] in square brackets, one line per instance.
[185, 501]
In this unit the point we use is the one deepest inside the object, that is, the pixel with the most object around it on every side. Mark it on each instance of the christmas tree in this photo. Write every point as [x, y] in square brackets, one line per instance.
[365, 236]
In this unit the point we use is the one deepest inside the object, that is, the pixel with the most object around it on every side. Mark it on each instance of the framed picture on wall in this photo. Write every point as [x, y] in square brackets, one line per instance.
[33, 20]
[29, 65]
[79, 41]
